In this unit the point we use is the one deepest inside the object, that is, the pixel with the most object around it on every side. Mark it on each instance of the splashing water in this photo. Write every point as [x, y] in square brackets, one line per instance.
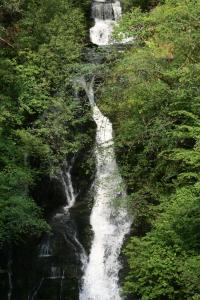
[61, 224]
[110, 223]
[66, 180]
[105, 16]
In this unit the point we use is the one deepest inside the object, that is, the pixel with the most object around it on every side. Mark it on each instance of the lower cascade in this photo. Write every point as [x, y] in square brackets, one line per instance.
[110, 223]
[63, 234]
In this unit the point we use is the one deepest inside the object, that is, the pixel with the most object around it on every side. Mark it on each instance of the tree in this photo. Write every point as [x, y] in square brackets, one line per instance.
[152, 96]
[41, 124]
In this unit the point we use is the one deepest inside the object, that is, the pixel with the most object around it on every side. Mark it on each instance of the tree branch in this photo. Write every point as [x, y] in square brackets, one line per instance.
[6, 42]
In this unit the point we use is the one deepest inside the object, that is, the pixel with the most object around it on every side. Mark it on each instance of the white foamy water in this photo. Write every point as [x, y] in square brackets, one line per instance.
[105, 16]
[66, 179]
[110, 222]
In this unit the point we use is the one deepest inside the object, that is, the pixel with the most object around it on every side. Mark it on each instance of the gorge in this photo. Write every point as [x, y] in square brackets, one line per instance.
[99, 150]
[109, 219]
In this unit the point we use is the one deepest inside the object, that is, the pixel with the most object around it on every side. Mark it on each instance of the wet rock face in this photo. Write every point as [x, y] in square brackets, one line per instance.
[50, 277]
[58, 268]
[102, 11]
[3, 276]
[51, 268]
[49, 194]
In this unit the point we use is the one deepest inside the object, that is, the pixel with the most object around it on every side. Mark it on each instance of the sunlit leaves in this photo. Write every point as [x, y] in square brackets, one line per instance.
[152, 97]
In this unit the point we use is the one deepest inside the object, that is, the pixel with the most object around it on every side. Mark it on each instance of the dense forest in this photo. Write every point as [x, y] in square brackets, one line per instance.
[42, 124]
[152, 97]
[149, 89]
[41, 44]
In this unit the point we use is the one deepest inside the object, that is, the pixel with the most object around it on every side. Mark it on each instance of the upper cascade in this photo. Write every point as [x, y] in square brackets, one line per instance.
[105, 15]
[102, 11]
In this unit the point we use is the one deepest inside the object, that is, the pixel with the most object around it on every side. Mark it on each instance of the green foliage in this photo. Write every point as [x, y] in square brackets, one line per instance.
[143, 4]
[41, 124]
[152, 97]
[20, 217]
[160, 261]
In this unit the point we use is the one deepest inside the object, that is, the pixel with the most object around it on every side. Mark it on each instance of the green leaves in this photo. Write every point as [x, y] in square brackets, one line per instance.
[41, 123]
[152, 97]
[20, 217]
[157, 262]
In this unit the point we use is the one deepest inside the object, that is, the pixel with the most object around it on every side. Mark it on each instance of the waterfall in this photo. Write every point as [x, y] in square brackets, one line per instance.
[56, 273]
[66, 180]
[102, 11]
[105, 15]
[71, 199]
[45, 248]
[62, 224]
[110, 222]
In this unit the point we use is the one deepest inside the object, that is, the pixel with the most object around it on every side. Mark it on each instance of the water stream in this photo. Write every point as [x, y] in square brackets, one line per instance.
[64, 234]
[105, 14]
[61, 267]
[109, 221]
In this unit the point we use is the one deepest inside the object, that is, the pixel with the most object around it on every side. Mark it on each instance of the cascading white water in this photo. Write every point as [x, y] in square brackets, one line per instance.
[110, 222]
[45, 249]
[105, 15]
[65, 175]
[60, 220]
